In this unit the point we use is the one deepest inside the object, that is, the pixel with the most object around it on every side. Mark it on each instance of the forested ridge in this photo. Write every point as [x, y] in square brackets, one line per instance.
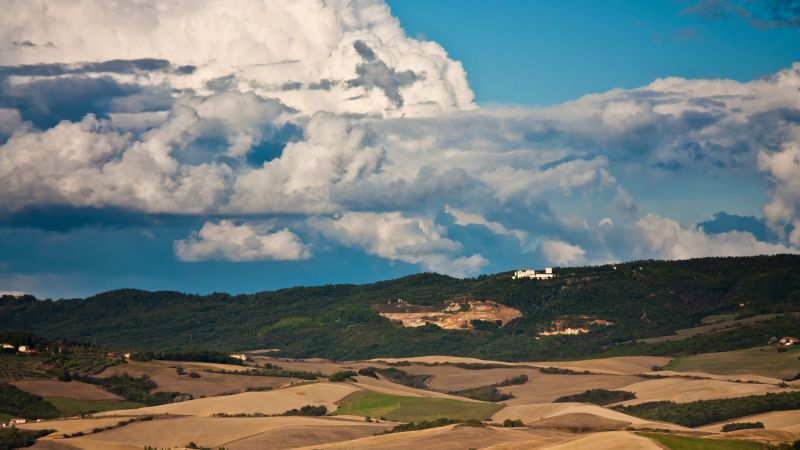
[642, 298]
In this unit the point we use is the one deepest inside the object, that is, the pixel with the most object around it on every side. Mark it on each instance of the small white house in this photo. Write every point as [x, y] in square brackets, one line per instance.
[528, 273]
[24, 349]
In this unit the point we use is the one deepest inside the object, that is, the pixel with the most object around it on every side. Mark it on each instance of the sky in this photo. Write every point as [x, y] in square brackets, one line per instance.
[246, 145]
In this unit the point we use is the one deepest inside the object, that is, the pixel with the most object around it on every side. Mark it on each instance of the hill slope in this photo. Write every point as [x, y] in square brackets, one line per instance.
[641, 299]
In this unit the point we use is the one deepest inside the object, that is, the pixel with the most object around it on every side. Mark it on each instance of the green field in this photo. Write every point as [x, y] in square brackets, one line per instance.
[676, 442]
[412, 409]
[72, 407]
[717, 318]
[764, 361]
[22, 367]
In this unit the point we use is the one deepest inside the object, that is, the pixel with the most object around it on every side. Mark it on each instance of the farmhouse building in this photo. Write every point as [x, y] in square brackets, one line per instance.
[528, 273]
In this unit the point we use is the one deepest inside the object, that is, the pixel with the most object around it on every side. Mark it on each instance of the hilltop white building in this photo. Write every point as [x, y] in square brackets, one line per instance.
[529, 273]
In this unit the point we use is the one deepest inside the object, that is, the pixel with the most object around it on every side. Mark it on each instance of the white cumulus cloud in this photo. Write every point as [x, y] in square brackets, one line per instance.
[562, 253]
[343, 56]
[226, 240]
[664, 238]
[393, 236]
[782, 209]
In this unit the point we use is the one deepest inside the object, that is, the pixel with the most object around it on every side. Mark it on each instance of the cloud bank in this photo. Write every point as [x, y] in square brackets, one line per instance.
[327, 119]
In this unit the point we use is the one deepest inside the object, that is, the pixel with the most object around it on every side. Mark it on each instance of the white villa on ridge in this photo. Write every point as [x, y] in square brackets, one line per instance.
[528, 273]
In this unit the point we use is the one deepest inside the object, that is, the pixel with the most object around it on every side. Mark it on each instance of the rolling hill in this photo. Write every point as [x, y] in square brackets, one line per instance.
[635, 300]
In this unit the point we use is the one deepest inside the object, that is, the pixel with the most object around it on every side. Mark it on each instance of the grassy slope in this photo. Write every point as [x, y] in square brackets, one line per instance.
[337, 321]
[710, 328]
[764, 361]
[676, 442]
[69, 407]
[412, 409]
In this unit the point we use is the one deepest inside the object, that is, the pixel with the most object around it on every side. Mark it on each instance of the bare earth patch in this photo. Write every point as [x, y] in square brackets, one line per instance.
[453, 316]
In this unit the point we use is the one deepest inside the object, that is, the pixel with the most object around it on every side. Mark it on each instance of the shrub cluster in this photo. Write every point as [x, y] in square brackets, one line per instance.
[18, 403]
[741, 426]
[598, 397]
[346, 375]
[135, 389]
[425, 424]
[13, 438]
[490, 393]
[307, 410]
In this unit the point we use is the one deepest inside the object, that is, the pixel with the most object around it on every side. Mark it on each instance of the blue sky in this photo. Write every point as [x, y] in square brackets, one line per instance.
[545, 52]
[323, 143]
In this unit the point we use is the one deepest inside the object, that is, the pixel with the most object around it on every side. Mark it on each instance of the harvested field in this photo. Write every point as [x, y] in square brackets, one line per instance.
[773, 437]
[269, 402]
[232, 433]
[545, 388]
[613, 440]
[440, 359]
[683, 390]
[453, 437]
[70, 425]
[387, 387]
[679, 442]
[72, 389]
[775, 420]
[623, 365]
[533, 413]
[580, 423]
[323, 366]
[764, 361]
[164, 374]
[711, 376]
[451, 378]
